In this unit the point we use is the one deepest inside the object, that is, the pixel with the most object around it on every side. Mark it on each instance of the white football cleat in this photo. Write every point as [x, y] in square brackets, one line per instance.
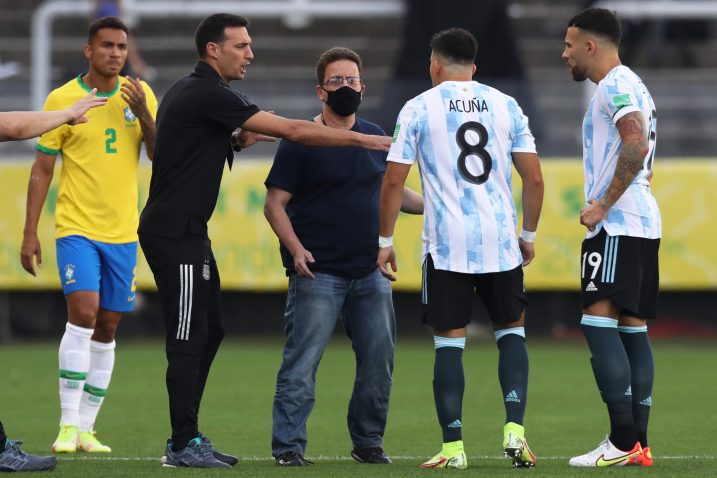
[606, 454]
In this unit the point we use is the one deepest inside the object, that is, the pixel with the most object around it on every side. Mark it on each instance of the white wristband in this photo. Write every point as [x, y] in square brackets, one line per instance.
[527, 236]
[385, 241]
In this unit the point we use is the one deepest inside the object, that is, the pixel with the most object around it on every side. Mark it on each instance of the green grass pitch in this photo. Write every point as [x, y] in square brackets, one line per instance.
[565, 416]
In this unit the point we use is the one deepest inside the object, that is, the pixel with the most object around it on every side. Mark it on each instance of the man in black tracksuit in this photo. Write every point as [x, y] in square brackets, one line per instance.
[195, 122]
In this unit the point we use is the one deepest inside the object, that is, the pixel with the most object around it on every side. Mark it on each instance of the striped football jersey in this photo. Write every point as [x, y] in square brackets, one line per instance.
[636, 213]
[462, 134]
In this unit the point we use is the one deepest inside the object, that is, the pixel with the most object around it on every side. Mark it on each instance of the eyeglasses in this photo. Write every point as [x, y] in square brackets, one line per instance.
[339, 80]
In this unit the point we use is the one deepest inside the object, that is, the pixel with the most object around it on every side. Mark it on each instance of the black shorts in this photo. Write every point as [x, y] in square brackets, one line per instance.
[448, 296]
[623, 269]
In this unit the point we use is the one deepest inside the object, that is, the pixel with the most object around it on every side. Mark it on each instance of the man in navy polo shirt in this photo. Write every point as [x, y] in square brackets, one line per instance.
[323, 205]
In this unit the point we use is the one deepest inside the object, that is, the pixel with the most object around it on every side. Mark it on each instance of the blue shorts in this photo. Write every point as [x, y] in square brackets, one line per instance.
[110, 269]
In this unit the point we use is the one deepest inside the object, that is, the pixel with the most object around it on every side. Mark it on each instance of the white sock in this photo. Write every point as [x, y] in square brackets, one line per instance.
[102, 362]
[74, 364]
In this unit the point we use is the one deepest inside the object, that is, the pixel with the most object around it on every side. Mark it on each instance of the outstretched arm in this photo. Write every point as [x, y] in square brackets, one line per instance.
[18, 125]
[312, 134]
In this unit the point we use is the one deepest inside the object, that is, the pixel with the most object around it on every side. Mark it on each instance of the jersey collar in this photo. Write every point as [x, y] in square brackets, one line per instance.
[102, 94]
[202, 68]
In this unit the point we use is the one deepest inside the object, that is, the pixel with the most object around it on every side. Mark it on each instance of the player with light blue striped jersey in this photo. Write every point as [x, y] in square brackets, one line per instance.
[463, 134]
[636, 212]
[619, 256]
[466, 137]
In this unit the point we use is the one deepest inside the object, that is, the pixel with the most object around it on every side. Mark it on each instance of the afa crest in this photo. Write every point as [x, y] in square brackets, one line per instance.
[128, 115]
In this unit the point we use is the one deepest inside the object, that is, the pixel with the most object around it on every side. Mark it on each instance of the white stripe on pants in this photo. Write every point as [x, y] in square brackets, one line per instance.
[186, 292]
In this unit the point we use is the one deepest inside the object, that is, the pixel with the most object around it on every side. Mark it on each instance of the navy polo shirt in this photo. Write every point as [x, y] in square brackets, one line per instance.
[334, 205]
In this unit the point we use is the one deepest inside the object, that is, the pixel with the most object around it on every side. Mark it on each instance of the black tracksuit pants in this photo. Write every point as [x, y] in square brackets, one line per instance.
[3, 437]
[188, 282]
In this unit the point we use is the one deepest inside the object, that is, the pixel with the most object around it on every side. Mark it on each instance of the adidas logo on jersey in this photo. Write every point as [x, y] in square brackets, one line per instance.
[591, 287]
[512, 397]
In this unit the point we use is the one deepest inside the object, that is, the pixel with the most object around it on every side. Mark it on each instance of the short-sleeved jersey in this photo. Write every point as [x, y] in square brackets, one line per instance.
[97, 196]
[636, 213]
[194, 126]
[463, 133]
[334, 201]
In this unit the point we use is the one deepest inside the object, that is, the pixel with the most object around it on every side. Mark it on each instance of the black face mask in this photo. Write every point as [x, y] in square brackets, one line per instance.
[344, 101]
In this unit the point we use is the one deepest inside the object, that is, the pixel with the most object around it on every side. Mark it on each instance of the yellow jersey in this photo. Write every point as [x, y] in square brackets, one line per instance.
[97, 196]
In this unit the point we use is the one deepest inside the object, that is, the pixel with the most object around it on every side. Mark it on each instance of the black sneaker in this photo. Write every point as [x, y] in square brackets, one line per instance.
[374, 455]
[292, 458]
[223, 457]
[195, 455]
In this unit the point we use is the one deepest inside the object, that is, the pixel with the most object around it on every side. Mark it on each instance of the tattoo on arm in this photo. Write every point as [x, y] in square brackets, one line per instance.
[634, 149]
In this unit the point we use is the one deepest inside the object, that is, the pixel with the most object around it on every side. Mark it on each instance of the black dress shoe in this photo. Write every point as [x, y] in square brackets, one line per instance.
[292, 458]
[374, 455]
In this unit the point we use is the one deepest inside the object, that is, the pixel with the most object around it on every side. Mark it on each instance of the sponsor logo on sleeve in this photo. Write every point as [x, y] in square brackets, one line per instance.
[621, 101]
[395, 133]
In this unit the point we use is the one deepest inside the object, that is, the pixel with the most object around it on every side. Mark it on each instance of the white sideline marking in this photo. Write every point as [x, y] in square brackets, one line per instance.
[348, 458]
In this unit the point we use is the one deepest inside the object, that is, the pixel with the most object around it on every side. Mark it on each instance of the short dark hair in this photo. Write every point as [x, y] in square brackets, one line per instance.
[599, 21]
[456, 45]
[211, 30]
[335, 54]
[106, 22]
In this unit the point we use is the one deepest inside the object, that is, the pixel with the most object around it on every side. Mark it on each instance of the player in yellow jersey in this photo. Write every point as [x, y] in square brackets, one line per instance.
[96, 222]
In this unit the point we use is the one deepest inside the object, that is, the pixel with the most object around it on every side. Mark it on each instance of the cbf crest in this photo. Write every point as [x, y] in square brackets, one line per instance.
[69, 274]
[128, 115]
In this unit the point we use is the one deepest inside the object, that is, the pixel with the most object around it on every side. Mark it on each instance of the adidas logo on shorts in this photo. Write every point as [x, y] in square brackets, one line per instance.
[591, 287]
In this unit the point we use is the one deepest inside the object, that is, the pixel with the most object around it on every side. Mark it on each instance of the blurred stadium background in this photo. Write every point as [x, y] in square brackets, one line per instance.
[671, 44]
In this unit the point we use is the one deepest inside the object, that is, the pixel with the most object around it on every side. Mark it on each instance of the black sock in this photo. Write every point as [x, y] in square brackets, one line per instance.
[448, 386]
[642, 371]
[612, 374]
[513, 375]
[622, 430]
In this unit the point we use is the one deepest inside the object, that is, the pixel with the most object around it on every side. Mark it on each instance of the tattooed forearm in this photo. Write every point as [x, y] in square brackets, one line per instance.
[634, 149]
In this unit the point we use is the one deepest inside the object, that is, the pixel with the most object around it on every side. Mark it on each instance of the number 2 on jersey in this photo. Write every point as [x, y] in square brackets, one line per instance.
[111, 135]
[478, 150]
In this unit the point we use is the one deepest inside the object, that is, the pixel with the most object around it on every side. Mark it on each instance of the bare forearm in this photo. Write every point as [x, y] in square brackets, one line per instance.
[281, 225]
[411, 202]
[634, 149]
[391, 195]
[37, 189]
[532, 204]
[149, 133]
[18, 125]
[312, 134]
[392, 191]
[628, 165]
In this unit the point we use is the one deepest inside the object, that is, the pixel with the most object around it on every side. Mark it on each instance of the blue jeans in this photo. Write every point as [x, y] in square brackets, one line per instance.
[313, 306]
